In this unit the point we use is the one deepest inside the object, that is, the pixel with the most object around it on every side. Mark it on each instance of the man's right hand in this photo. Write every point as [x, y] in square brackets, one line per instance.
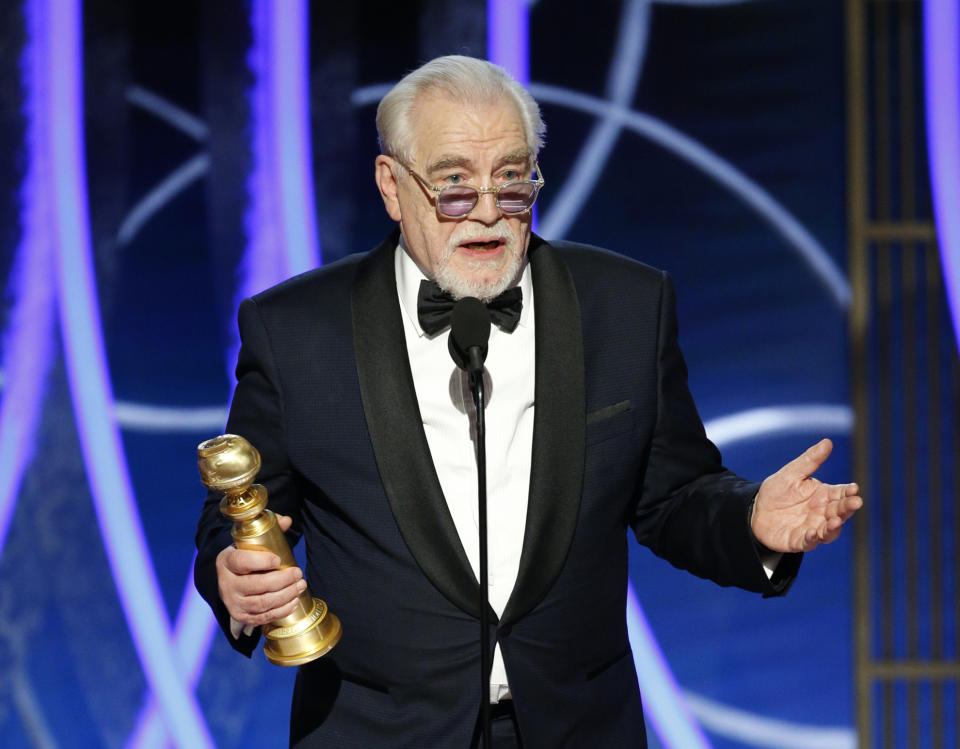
[253, 587]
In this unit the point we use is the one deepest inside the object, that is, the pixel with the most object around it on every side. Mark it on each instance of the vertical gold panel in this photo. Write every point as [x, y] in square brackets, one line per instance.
[859, 315]
[899, 389]
[934, 468]
[909, 291]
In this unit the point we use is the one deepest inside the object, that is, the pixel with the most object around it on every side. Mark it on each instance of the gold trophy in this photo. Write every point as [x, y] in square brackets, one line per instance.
[229, 464]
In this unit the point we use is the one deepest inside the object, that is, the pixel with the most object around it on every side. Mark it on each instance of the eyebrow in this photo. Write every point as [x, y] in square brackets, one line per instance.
[448, 162]
[462, 162]
[517, 157]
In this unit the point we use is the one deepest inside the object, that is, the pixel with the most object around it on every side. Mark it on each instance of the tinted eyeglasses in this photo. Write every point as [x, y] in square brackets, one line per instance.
[456, 201]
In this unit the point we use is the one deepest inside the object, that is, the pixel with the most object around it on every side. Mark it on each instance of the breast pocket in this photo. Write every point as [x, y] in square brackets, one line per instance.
[609, 421]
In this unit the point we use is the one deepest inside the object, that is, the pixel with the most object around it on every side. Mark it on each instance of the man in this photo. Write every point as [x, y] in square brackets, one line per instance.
[365, 433]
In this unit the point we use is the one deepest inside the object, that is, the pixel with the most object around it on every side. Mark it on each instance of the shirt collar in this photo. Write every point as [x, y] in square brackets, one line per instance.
[409, 277]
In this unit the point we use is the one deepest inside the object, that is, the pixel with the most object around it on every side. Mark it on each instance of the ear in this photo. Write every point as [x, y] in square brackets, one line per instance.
[387, 184]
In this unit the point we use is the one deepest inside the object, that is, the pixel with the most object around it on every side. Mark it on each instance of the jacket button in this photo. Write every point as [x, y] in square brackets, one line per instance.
[505, 630]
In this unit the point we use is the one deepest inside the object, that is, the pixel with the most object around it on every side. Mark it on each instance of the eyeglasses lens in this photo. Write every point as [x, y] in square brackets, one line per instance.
[516, 198]
[457, 201]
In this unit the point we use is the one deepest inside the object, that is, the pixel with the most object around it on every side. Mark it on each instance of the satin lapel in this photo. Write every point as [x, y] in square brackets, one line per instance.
[396, 430]
[556, 474]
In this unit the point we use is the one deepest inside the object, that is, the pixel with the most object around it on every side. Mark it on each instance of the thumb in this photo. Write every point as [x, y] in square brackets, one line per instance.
[284, 521]
[812, 458]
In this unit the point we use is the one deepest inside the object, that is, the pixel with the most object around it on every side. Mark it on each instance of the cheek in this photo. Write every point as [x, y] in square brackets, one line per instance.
[521, 230]
[434, 237]
[425, 236]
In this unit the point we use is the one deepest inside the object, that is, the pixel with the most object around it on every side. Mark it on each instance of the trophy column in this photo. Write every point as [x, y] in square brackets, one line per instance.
[229, 464]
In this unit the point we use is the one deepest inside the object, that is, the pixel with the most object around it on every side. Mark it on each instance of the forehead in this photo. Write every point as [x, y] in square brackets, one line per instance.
[442, 126]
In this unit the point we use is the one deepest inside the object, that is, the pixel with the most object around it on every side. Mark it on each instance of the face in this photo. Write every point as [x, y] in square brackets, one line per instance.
[481, 254]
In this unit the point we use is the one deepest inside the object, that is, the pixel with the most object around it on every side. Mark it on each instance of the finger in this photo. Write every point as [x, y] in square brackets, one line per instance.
[245, 561]
[284, 521]
[811, 459]
[266, 582]
[848, 506]
[831, 535]
[268, 616]
[267, 605]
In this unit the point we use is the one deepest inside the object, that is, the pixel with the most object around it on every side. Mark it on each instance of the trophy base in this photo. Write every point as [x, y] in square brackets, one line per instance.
[306, 640]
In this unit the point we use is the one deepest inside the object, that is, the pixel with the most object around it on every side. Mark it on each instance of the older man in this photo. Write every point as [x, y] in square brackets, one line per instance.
[364, 423]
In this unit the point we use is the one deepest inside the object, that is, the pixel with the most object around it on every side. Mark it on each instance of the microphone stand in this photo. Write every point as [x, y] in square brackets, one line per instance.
[476, 387]
[469, 333]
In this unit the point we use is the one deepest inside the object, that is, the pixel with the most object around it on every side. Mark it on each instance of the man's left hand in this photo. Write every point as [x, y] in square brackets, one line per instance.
[796, 512]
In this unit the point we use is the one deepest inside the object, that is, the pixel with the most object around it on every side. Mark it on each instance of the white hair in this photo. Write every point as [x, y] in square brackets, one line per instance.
[464, 79]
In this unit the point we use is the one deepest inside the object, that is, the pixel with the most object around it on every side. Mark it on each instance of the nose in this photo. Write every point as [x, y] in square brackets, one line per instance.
[486, 210]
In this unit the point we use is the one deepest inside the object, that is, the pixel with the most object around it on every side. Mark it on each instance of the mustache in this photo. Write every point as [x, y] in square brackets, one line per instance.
[500, 231]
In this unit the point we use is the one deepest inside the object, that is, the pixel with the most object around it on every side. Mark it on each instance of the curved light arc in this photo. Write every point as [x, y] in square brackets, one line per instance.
[622, 78]
[167, 189]
[941, 30]
[145, 417]
[769, 421]
[193, 636]
[754, 730]
[164, 109]
[366, 95]
[28, 340]
[88, 377]
[699, 156]
[663, 702]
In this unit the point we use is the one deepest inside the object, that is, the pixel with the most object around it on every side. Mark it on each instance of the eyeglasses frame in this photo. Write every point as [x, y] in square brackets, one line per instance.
[481, 191]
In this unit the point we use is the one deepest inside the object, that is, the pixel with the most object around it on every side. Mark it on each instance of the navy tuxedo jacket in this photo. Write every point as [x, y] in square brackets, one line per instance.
[325, 393]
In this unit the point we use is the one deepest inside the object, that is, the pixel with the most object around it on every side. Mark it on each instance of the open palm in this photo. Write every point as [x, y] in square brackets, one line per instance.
[796, 512]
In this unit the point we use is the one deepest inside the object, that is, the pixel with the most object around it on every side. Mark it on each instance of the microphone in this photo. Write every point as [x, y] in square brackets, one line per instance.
[469, 333]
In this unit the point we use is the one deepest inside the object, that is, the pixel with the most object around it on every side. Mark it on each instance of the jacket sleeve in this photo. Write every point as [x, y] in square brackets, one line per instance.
[691, 510]
[256, 413]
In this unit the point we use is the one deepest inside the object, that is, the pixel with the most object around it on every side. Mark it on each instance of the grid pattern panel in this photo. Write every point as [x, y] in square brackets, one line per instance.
[906, 393]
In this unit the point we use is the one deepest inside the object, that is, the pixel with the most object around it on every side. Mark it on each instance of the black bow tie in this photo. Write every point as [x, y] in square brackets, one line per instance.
[434, 306]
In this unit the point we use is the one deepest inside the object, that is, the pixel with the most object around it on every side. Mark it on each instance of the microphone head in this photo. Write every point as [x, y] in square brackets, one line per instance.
[469, 328]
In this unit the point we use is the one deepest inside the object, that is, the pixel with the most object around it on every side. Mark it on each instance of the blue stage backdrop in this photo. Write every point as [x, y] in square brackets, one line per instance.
[220, 146]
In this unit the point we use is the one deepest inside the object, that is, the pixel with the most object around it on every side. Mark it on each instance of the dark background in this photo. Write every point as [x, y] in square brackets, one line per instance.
[759, 85]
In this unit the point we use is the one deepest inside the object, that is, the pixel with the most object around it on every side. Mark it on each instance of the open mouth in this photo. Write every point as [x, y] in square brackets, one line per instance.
[484, 246]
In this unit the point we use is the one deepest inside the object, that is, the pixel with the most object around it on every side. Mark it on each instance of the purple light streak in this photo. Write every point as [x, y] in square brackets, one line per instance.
[508, 44]
[60, 25]
[289, 94]
[281, 242]
[508, 37]
[941, 29]
[281, 221]
[193, 636]
[27, 348]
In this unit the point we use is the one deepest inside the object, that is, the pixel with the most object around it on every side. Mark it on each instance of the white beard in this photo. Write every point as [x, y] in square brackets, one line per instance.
[458, 286]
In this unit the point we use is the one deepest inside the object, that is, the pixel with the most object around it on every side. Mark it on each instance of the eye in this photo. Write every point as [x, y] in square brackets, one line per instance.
[453, 179]
[510, 175]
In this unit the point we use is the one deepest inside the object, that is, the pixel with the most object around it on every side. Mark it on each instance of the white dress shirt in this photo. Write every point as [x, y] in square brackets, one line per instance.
[446, 407]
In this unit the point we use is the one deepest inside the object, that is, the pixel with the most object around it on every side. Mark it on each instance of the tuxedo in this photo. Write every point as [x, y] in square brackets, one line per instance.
[325, 393]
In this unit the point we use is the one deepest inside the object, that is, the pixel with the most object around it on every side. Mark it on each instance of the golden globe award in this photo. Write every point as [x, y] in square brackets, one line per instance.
[229, 464]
